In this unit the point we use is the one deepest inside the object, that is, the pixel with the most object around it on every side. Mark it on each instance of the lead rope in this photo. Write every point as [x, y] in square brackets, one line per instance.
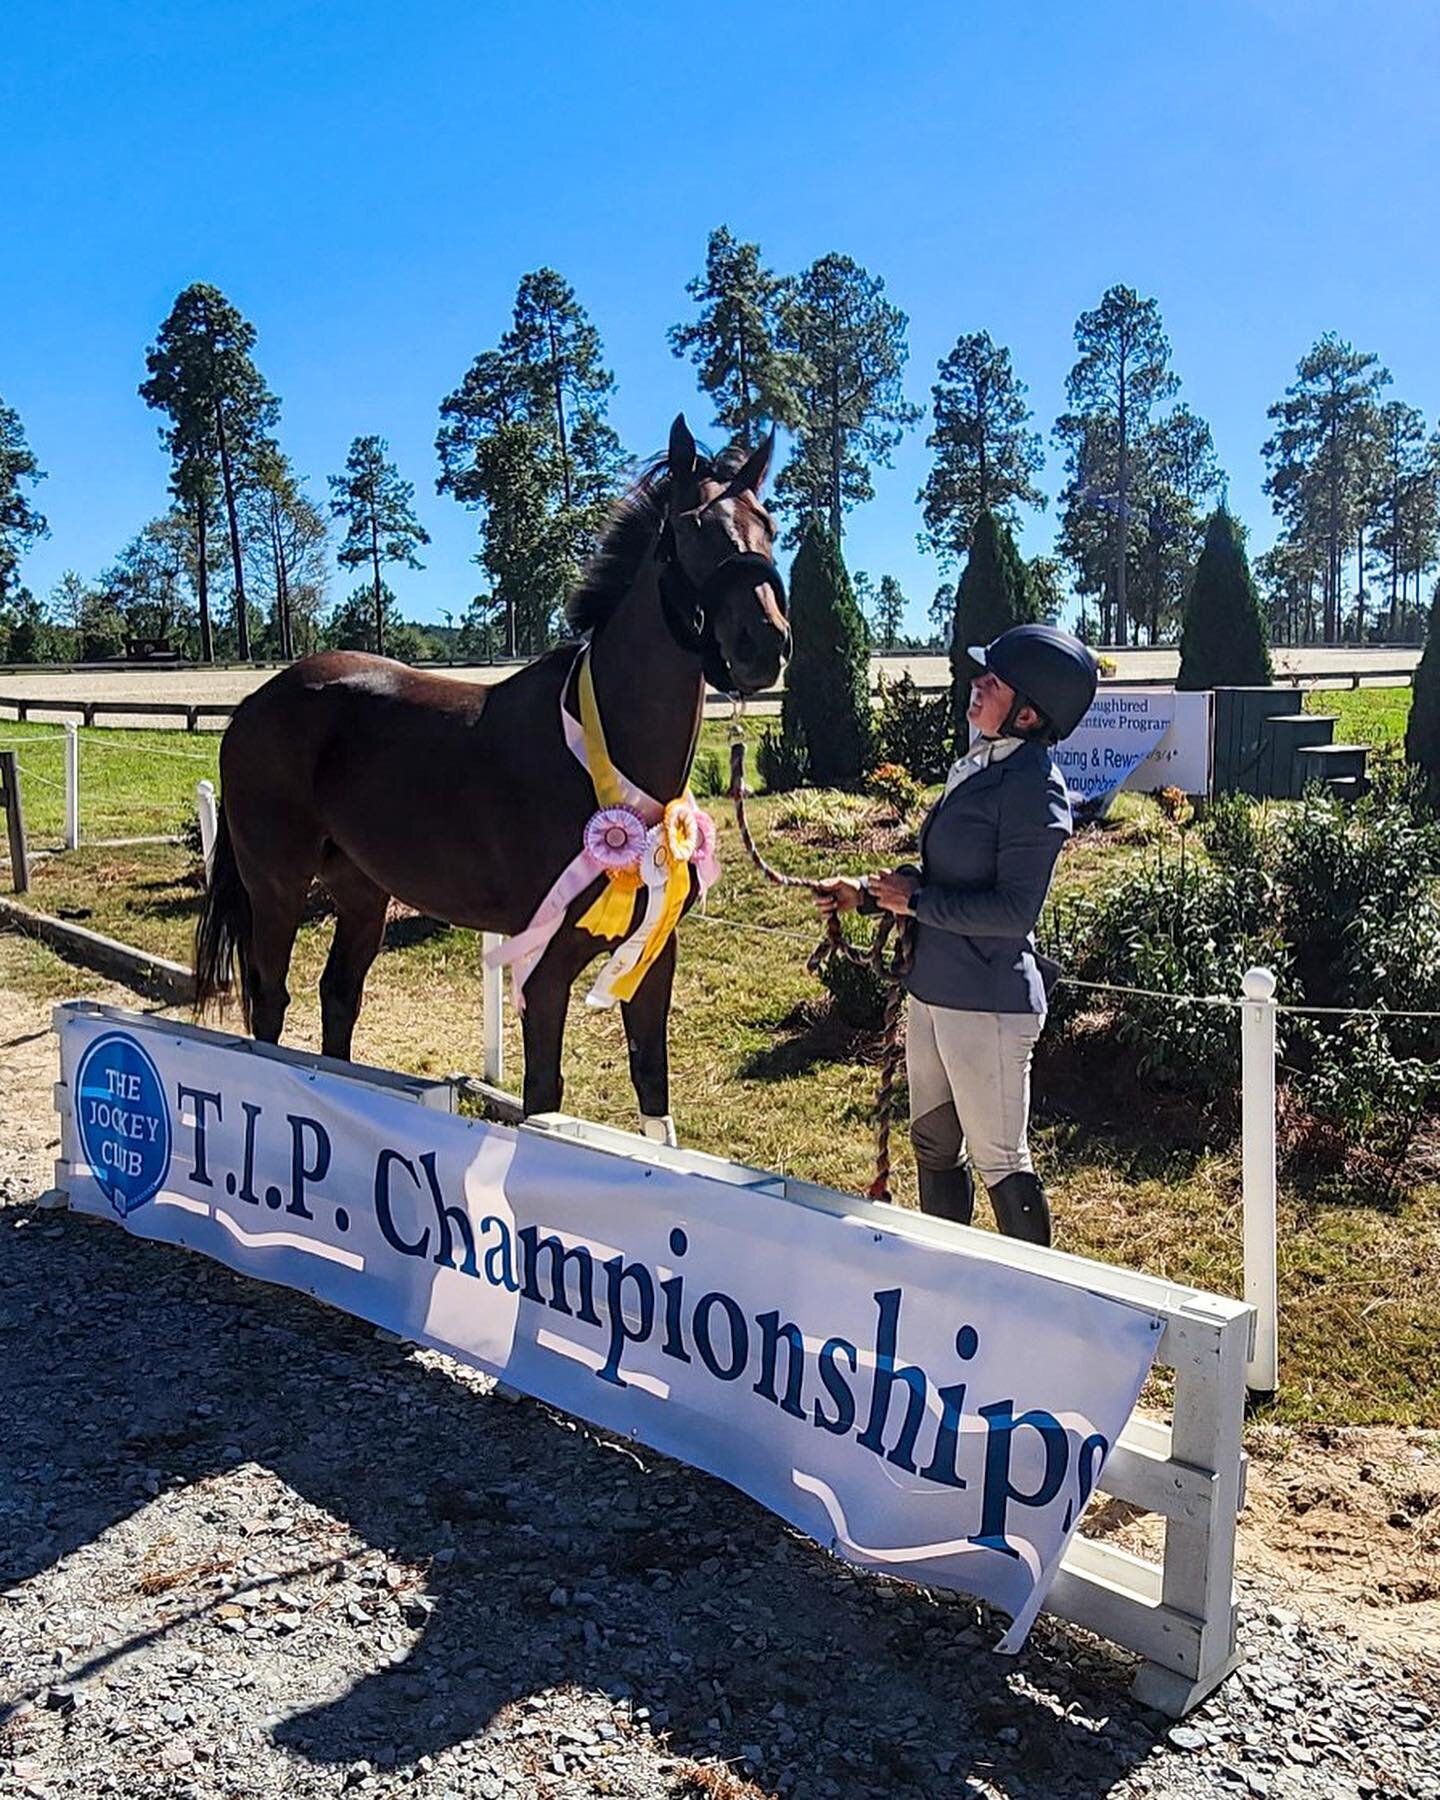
[890, 969]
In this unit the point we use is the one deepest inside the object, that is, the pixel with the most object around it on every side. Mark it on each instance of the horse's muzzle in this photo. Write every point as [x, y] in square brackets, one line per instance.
[757, 652]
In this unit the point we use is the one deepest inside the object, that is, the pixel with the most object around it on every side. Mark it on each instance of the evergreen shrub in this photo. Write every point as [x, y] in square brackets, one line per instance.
[914, 731]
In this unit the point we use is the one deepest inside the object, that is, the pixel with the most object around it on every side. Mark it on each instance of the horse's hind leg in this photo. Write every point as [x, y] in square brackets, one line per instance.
[275, 913]
[359, 928]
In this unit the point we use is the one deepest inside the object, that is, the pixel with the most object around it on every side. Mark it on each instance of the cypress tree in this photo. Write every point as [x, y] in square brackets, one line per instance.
[1422, 734]
[827, 689]
[1223, 642]
[993, 595]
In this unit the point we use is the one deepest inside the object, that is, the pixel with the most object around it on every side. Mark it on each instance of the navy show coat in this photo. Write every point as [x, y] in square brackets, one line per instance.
[988, 850]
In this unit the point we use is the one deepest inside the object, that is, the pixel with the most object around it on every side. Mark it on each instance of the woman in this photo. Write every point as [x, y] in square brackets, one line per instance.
[977, 997]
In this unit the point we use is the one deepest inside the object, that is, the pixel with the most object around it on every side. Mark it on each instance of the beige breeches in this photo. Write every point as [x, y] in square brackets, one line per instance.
[969, 1078]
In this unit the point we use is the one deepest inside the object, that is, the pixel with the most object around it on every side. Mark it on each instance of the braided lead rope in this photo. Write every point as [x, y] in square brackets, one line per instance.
[890, 969]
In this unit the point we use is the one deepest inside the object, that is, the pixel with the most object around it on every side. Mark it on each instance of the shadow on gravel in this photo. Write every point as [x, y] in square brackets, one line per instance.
[127, 1363]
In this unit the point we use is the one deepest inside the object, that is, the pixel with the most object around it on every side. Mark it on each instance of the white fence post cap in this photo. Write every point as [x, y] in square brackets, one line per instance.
[1258, 984]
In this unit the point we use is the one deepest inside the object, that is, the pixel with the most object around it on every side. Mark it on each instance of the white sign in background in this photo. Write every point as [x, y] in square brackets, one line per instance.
[920, 1410]
[1138, 738]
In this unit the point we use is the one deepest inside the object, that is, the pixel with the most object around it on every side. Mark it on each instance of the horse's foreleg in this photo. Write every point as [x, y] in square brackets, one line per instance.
[647, 1019]
[547, 994]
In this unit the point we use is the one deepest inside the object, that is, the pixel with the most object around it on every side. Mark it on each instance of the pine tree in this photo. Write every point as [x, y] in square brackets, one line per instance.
[352, 625]
[287, 543]
[146, 585]
[524, 441]
[20, 523]
[203, 376]
[985, 453]
[889, 613]
[851, 341]
[733, 343]
[1121, 374]
[379, 509]
[1422, 733]
[1223, 643]
[1408, 496]
[994, 594]
[827, 691]
[1322, 455]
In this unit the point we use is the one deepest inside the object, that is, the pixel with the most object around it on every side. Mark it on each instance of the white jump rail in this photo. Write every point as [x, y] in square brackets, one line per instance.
[1177, 1614]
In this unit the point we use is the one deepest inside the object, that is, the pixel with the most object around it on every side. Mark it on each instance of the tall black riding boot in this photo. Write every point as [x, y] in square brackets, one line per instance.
[1021, 1210]
[947, 1193]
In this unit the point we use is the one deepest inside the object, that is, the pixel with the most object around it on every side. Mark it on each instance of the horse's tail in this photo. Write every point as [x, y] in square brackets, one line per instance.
[222, 936]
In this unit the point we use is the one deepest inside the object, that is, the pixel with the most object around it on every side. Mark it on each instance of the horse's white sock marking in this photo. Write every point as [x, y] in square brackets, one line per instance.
[660, 1130]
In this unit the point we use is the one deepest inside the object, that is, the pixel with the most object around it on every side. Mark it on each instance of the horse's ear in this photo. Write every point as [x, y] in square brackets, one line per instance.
[681, 455]
[748, 480]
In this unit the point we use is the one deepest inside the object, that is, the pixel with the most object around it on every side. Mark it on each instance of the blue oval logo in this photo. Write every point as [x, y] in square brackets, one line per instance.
[124, 1121]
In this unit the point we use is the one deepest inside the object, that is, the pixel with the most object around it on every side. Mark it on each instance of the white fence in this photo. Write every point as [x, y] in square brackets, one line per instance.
[1177, 1613]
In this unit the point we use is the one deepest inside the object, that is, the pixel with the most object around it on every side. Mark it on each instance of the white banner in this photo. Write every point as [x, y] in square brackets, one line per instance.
[1142, 739]
[920, 1409]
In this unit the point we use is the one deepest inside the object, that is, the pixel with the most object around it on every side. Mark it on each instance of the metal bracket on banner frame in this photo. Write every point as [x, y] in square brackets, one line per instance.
[1178, 1614]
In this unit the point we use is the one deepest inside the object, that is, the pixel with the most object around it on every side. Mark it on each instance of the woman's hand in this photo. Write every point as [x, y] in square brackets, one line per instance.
[840, 894]
[892, 891]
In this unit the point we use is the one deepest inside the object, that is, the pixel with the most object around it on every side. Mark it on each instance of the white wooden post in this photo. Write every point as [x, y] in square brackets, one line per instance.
[72, 785]
[205, 809]
[492, 1015]
[1257, 1112]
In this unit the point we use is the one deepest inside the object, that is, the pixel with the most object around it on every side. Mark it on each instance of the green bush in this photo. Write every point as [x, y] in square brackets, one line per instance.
[913, 731]
[1347, 877]
[782, 759]
[1339, 901]
[1223, 641]
[1233, 834]
[1357, 1082]
[708, 780]
[826, 704]
[1177, 926]
[856, 992]
[896, 786]
[993, 595]
[821, 813]
[1422, 733]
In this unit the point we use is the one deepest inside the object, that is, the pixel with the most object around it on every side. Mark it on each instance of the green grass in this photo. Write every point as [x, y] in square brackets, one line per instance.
[762, 1072]
[1373, 715]
[132, 783]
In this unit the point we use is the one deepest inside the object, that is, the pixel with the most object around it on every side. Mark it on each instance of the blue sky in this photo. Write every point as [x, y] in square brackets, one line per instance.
[368, 182]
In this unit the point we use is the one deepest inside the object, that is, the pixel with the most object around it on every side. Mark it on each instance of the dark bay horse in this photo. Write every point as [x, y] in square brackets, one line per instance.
[464, 801]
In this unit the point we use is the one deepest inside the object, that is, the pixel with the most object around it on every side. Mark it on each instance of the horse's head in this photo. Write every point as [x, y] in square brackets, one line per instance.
[719, 541]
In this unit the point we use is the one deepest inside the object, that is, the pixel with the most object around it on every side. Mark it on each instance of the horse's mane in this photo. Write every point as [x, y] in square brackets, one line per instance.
[629, 534]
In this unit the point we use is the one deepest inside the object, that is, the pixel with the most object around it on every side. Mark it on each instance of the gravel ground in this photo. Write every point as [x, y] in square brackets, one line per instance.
[247, 1548]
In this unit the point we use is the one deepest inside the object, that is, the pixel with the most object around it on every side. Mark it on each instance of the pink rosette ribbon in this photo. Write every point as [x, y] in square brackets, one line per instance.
[615, 838]
[705, 860]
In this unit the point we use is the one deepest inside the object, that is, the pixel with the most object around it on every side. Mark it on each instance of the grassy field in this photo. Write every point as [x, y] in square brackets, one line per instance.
[763, 1071]
[1374, 715]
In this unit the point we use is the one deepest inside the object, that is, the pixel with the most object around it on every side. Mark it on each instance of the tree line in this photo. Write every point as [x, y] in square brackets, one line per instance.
[238, 566]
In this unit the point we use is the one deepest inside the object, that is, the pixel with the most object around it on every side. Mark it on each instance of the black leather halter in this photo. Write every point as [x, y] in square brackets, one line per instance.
[688, 609]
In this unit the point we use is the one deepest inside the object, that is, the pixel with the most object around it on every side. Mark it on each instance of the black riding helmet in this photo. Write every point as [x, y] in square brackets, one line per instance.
[1047, 668]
